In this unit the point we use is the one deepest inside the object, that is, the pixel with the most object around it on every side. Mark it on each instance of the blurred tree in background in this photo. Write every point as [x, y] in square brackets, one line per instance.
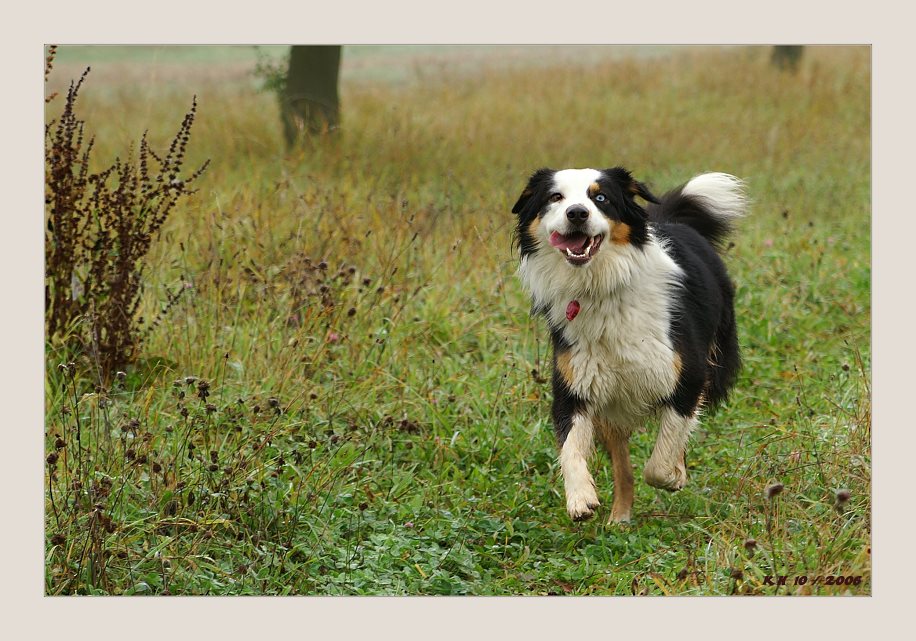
[311, 103]
[787, 57]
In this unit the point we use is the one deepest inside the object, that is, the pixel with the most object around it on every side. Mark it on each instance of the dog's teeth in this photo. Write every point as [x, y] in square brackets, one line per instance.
[569, 252]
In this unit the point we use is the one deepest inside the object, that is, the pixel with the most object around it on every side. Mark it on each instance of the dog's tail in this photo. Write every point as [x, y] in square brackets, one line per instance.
[710, 203]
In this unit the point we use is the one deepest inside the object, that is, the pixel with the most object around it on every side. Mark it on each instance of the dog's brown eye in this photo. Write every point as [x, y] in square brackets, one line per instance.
[555, 198]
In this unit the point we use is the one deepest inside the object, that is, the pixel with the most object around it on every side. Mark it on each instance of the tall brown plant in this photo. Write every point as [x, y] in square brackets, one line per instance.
[100, 227]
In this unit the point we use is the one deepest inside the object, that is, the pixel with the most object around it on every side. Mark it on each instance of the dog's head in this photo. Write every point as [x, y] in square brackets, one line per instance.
[579, 212]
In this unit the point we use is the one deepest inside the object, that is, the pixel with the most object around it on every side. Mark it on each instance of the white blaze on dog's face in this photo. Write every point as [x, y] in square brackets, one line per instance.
[572, 222]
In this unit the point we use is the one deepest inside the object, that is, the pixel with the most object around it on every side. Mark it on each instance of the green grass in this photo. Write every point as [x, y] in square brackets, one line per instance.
[407, 448]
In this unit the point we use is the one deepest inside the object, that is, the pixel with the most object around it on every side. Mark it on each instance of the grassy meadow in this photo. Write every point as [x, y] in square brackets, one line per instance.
[350, 397]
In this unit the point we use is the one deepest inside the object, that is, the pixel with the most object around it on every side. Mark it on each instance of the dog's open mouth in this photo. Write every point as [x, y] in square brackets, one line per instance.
[578, 248]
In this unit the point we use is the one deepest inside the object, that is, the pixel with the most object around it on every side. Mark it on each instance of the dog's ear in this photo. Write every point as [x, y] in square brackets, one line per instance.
[639, 189]
[535, 187]
[630, 186]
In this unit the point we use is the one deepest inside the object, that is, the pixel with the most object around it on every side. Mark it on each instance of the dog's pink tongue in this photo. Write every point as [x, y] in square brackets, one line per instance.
[575, 242]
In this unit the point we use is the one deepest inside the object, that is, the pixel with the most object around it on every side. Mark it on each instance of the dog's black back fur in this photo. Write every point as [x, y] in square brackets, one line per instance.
[704, 316]
[675, 207]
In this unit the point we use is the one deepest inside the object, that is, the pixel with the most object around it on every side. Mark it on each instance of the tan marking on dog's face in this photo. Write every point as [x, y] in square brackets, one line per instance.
[593, 189]
[564, 366]
[533, 227]
[620, 233]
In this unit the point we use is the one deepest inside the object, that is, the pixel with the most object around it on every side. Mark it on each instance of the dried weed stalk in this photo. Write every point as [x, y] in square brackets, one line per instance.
[99, 230]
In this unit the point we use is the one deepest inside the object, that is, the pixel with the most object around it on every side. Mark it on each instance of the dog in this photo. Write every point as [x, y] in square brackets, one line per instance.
[640, 310]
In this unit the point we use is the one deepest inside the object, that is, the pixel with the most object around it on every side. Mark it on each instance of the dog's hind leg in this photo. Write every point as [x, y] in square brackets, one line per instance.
[581, 498]
[666, 468]
[617, 443]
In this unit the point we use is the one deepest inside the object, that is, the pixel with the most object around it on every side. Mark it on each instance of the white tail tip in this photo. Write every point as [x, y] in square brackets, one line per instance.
[724, 194]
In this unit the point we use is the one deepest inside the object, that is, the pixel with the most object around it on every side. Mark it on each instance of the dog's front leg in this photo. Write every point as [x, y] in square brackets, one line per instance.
[666, 468]
[575, 449]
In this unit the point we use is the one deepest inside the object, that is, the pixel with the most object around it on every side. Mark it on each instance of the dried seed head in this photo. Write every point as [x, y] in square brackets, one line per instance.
[841, 499]
[750, 545]
[773, 490]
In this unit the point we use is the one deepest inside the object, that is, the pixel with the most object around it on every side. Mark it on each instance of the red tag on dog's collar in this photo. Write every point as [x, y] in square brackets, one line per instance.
[572, 310]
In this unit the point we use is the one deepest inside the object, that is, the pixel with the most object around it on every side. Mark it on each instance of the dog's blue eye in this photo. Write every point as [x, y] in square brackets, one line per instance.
[600, 198]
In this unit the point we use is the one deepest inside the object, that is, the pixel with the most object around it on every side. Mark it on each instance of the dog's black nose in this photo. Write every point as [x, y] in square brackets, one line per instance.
[577, 214]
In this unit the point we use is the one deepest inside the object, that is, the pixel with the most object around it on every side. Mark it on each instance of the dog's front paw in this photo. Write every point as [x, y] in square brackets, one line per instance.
[619, 516]
[665, 476]
[581, 503]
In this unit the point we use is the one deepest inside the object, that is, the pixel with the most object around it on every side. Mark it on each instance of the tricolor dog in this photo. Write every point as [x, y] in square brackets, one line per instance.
[640, 312]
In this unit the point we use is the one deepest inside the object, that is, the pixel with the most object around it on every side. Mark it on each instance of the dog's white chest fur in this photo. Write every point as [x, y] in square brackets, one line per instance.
[621, 360]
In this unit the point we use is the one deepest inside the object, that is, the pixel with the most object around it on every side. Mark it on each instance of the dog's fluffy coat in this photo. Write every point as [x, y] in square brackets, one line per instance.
[640, 311]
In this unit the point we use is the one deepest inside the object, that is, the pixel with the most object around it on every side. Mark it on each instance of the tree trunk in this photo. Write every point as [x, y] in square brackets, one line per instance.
[787, 57]
[311, 103]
